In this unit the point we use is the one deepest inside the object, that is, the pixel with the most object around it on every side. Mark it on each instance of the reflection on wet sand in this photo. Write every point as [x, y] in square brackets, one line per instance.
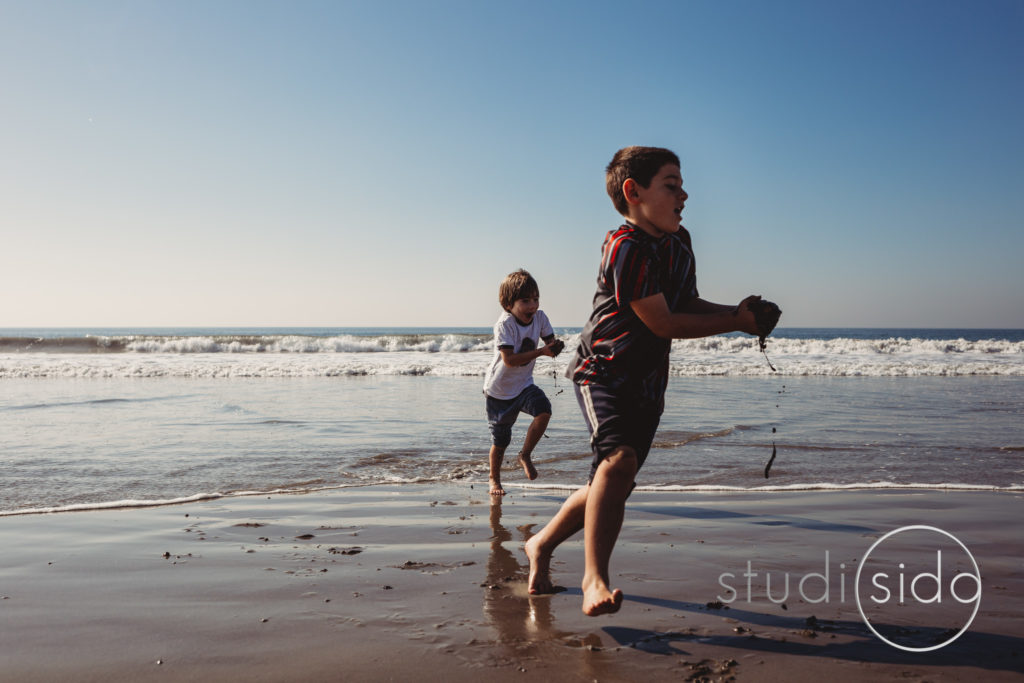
[523, 625]
[518, 617]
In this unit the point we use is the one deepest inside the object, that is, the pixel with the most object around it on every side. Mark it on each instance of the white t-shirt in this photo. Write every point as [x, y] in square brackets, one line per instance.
[504, 382]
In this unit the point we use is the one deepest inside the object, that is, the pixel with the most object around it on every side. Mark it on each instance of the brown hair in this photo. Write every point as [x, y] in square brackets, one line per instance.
[639, 163]
[517, 285]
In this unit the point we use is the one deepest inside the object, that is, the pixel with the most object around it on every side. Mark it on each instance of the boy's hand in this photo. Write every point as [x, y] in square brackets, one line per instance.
[765, 315]
[745, 312]
[554, 348]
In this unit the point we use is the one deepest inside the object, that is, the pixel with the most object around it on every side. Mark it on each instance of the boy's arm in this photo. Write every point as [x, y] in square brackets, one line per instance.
[702, 306]
[702, 318]
[523, 357]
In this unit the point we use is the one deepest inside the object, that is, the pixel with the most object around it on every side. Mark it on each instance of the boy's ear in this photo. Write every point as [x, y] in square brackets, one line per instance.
[629, 191]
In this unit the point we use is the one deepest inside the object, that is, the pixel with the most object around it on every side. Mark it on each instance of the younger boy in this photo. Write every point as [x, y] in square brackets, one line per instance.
[508, 384]
[646, 296]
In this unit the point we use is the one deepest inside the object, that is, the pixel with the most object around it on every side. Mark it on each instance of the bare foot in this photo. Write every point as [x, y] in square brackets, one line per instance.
[540, 569]
[496, 488]
[599, 599]
[531, 471]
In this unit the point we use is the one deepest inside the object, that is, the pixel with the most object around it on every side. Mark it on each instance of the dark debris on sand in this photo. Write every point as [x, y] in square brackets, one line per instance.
[707, 670]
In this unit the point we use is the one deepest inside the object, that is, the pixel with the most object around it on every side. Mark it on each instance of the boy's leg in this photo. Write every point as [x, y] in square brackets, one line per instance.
[605, 507]
[535, 403]
[496, 458]
[501, 415]
[622, 426]
[566, 522]
[533, 436]
[597, 507]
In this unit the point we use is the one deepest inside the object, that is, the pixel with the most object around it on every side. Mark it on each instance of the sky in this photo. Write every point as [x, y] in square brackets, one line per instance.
[251, 163]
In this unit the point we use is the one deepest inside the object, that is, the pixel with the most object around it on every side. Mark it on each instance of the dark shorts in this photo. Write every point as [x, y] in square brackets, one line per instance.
[618, 417]
[502, 414]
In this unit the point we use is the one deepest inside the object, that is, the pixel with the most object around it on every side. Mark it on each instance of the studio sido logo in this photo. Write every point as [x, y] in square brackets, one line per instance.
[907, 588]
[918, 588]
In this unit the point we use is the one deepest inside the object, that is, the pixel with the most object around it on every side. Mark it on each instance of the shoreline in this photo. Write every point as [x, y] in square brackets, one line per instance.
[374, 582]
[524, 489]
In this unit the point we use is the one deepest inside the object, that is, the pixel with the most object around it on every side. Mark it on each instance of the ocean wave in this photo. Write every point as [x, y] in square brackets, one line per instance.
[451, 354]
[848, 346]
[215, 366]
[789, 367]
[721, 345]
[229, 368]
[239, 344]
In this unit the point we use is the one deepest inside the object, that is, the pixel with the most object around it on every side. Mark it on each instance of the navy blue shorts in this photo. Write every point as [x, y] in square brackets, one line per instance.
[502, 414]
[618, 417]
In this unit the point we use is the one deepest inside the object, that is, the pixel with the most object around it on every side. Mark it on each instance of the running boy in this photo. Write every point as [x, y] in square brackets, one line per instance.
[508, 384]
[646, 296]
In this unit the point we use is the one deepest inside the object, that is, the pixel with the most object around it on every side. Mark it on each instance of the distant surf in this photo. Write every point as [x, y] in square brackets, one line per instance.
[333, 353]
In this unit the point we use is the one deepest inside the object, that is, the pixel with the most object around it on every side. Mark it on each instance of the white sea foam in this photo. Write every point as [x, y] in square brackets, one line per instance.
[893, 347]
[448, 343]
[112, 505]
[162, 502]
[468, 355]
[696, 488]
[819, 486]
[237, 366]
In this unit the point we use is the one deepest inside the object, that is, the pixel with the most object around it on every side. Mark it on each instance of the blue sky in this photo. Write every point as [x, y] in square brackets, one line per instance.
[353, 163]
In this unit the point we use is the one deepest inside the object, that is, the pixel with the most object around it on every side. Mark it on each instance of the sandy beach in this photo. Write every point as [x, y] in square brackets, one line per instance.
[429, 582]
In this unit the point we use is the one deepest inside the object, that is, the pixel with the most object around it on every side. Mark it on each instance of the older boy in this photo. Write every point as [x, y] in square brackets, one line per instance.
[646, 296]
[508, 384]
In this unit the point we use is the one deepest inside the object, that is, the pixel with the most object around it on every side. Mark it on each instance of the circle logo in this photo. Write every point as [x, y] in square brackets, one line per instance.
[896, 583]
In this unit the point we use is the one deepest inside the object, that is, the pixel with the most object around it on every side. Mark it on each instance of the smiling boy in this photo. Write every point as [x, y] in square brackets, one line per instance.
[646, 296]
[508, 383]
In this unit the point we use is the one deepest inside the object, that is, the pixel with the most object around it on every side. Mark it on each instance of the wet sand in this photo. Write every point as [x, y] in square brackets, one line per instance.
[429, 582]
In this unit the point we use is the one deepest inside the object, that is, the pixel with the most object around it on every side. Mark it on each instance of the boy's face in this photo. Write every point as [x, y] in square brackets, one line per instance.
[657, 209]
[524, 309]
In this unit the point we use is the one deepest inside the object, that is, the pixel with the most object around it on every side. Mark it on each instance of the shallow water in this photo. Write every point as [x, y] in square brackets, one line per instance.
[88, 442]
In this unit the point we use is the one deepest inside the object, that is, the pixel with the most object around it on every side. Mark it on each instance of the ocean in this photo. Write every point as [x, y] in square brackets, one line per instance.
[94, 418]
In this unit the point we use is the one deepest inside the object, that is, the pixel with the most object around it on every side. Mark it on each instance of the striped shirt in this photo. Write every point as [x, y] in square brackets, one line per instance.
[616, 349]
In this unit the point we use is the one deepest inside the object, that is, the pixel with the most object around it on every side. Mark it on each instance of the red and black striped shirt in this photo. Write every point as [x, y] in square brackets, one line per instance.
[616, 348]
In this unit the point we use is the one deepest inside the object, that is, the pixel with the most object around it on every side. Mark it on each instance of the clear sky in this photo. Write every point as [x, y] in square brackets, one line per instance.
[387, 163]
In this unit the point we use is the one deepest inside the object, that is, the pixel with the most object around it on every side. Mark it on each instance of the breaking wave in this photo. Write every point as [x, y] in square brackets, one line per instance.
[468, 353]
